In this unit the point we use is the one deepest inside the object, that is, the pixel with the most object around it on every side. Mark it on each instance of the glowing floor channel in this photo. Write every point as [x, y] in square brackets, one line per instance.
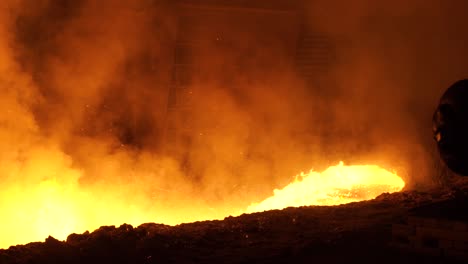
[336, 185]
[60, 208]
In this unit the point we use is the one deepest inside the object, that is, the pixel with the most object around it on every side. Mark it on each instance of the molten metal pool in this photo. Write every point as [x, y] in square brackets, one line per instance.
[59, 208]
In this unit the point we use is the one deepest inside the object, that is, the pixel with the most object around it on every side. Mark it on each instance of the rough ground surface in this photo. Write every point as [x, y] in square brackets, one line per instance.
[357, 232]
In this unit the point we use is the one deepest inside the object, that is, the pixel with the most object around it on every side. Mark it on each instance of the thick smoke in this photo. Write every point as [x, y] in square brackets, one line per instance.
[85, 104]
[395, 60]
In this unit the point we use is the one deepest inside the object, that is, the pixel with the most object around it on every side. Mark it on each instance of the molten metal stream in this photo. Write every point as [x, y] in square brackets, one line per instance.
[59, 208]
[336, 185]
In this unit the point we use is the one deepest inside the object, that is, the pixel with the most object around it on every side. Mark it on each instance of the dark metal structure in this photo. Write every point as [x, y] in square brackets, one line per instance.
[450, 127]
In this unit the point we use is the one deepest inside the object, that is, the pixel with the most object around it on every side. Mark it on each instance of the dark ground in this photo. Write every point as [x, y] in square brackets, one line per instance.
[352, 233]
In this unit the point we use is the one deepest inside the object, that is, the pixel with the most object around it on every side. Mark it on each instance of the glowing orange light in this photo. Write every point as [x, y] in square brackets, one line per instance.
[57, 205]
[336, 185]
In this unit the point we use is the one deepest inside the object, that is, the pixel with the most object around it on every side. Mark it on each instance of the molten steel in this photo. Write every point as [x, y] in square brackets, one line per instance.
[58, 208]
[336, 185]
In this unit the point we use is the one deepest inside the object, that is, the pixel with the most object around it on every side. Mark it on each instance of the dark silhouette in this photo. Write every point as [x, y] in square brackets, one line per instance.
[450, 127]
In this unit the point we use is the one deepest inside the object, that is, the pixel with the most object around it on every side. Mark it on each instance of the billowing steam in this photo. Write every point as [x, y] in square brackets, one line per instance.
[86, 120]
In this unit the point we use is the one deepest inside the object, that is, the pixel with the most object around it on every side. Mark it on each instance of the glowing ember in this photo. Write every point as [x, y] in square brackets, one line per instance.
[336, 185]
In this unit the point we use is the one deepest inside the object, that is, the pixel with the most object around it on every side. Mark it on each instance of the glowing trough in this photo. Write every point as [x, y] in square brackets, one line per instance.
[58, 208]
[336, 185]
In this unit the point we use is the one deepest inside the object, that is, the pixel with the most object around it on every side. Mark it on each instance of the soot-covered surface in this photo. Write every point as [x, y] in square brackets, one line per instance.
[357, 232]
